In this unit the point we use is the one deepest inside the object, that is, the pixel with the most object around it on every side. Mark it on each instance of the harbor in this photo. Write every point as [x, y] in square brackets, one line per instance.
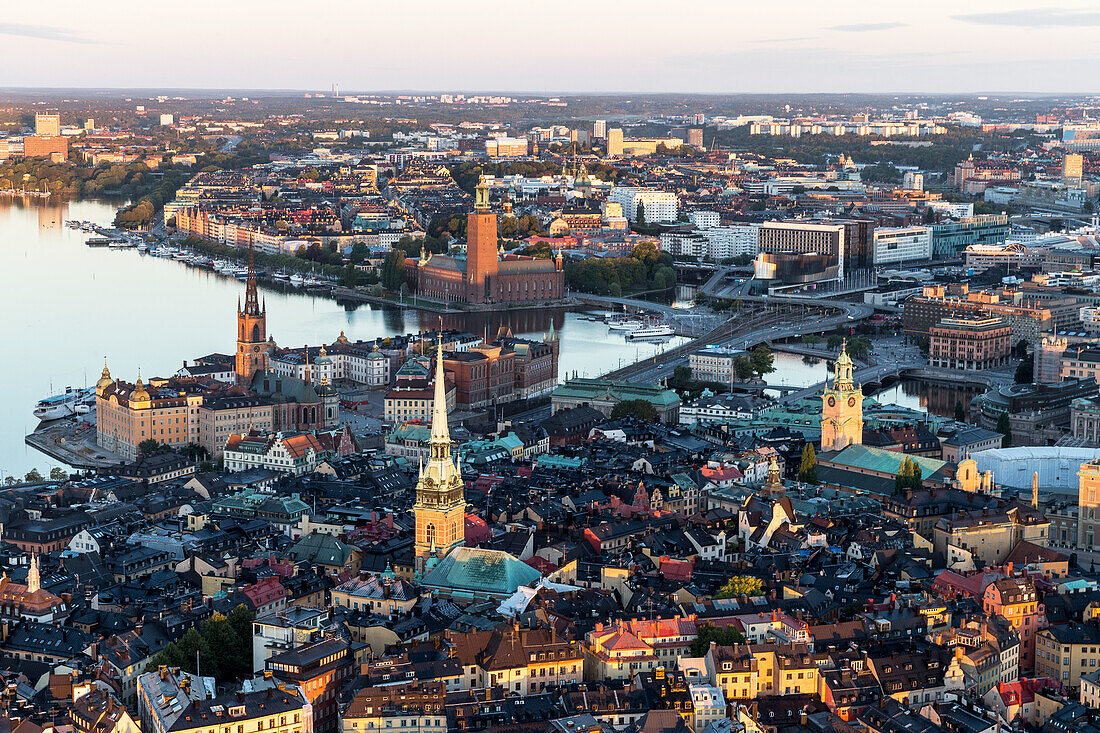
[148, 314]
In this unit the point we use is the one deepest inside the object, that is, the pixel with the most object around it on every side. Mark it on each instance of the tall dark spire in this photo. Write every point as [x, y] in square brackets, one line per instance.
[251, 300]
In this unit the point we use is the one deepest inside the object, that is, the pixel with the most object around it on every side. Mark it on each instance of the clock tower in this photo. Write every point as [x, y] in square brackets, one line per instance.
[842, 407]
[252, 346]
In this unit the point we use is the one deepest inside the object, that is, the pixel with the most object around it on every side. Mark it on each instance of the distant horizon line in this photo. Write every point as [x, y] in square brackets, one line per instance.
[327, 94]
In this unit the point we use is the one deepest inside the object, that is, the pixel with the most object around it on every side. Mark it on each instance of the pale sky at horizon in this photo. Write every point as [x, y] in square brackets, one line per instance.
[796, 46]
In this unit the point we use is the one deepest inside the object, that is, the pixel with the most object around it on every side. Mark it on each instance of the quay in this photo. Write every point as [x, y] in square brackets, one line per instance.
[72, 442]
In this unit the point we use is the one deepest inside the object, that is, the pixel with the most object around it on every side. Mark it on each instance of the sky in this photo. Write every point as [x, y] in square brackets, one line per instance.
[709, 46]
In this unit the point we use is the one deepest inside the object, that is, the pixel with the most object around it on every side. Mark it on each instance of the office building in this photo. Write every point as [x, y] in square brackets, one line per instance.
[912, 181]
[47, 125]
[615, 142]
[1073, 166]
[506, 147]
[167, 120]
[799, 252]
[656, 206]
[599, 129]
[903, 244]
[950, 239]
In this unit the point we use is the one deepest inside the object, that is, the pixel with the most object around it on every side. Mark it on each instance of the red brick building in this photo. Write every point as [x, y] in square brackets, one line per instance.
[484, 275]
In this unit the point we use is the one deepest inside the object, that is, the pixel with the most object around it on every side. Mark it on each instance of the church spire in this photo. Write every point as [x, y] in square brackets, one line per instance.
[251, 299]
[34, 581]
[441, 435]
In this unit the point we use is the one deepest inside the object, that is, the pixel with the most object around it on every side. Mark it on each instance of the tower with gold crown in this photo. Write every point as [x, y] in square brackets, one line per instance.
[440, 506]
[842, 407]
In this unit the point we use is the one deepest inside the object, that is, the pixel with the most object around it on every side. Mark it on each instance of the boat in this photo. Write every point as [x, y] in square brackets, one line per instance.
[314, 282]
[97, 241]
[64, 404]
[143, 248]
[296, 280]
[659, 330]
[280, 275]
[625, 324]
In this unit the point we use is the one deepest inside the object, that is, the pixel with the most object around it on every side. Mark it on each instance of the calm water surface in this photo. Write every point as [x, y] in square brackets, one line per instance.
[66, 306]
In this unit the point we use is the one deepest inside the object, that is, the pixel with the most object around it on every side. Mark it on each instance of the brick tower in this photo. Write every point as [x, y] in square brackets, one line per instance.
[252, 346]
[481, 247]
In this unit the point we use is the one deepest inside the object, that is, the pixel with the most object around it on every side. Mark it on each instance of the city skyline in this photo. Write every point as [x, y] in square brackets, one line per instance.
[710, 48]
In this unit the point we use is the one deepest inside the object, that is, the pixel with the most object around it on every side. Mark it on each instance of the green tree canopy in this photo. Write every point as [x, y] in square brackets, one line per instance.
[705, 634]
[641, 409]
[741, 585]
[807, 468]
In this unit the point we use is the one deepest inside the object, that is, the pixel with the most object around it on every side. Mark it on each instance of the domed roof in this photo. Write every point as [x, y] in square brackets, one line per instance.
[105, 379]
[140, 394]
[322, 356]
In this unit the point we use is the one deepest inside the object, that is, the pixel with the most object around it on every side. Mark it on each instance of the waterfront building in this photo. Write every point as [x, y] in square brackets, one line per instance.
[841, 407]
[795, 251]
[484, 275]
[969, 343]
[1039, 414]
[715, 363]
[129, 414]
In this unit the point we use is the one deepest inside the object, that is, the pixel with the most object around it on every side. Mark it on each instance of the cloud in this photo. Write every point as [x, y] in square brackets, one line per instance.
[1038, 18]
[43, 32]
[864, 27]
[783, 40]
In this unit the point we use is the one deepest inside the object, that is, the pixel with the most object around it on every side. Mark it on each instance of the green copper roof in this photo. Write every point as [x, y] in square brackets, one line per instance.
[883, 461]
[471, 570]
[622, 391]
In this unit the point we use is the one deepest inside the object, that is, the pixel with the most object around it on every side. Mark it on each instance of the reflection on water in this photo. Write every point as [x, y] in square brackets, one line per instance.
[67, 305]
[937, 399]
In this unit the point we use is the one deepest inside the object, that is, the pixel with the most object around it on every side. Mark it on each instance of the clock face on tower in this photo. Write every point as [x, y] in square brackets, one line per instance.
[256, 348]
[832, 401]
[851, 402]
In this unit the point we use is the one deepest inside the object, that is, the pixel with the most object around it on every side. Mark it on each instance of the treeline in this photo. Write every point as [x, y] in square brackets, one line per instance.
[140, 213]
[646, 269]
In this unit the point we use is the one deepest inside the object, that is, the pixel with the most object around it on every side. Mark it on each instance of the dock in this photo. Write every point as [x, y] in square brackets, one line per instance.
[72, 441]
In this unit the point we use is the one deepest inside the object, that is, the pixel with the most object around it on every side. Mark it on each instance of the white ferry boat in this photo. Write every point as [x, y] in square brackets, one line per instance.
[65, 404]
[625, 324]
[657, 331]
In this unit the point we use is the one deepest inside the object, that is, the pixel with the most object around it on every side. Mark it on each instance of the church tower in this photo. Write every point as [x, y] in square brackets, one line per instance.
[440, 506]
[481, 248]
[842, 407]
[252, 346]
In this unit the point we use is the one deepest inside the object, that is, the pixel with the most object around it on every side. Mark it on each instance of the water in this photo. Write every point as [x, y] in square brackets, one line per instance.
[67, 306]
[793, 370]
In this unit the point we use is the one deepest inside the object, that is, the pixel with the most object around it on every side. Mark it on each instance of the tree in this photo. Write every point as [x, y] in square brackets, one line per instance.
[908, 477]
[807, 469]
[393, 269]
[148, 447]
[960, 411]
[1004, 427]
[1020, 349]
[1025, 371]
[741, 585]
[762, 360]
[706, 633]
[639, 217]
[742, 365]
[641, 409]
[58, 474]
[33, 476]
